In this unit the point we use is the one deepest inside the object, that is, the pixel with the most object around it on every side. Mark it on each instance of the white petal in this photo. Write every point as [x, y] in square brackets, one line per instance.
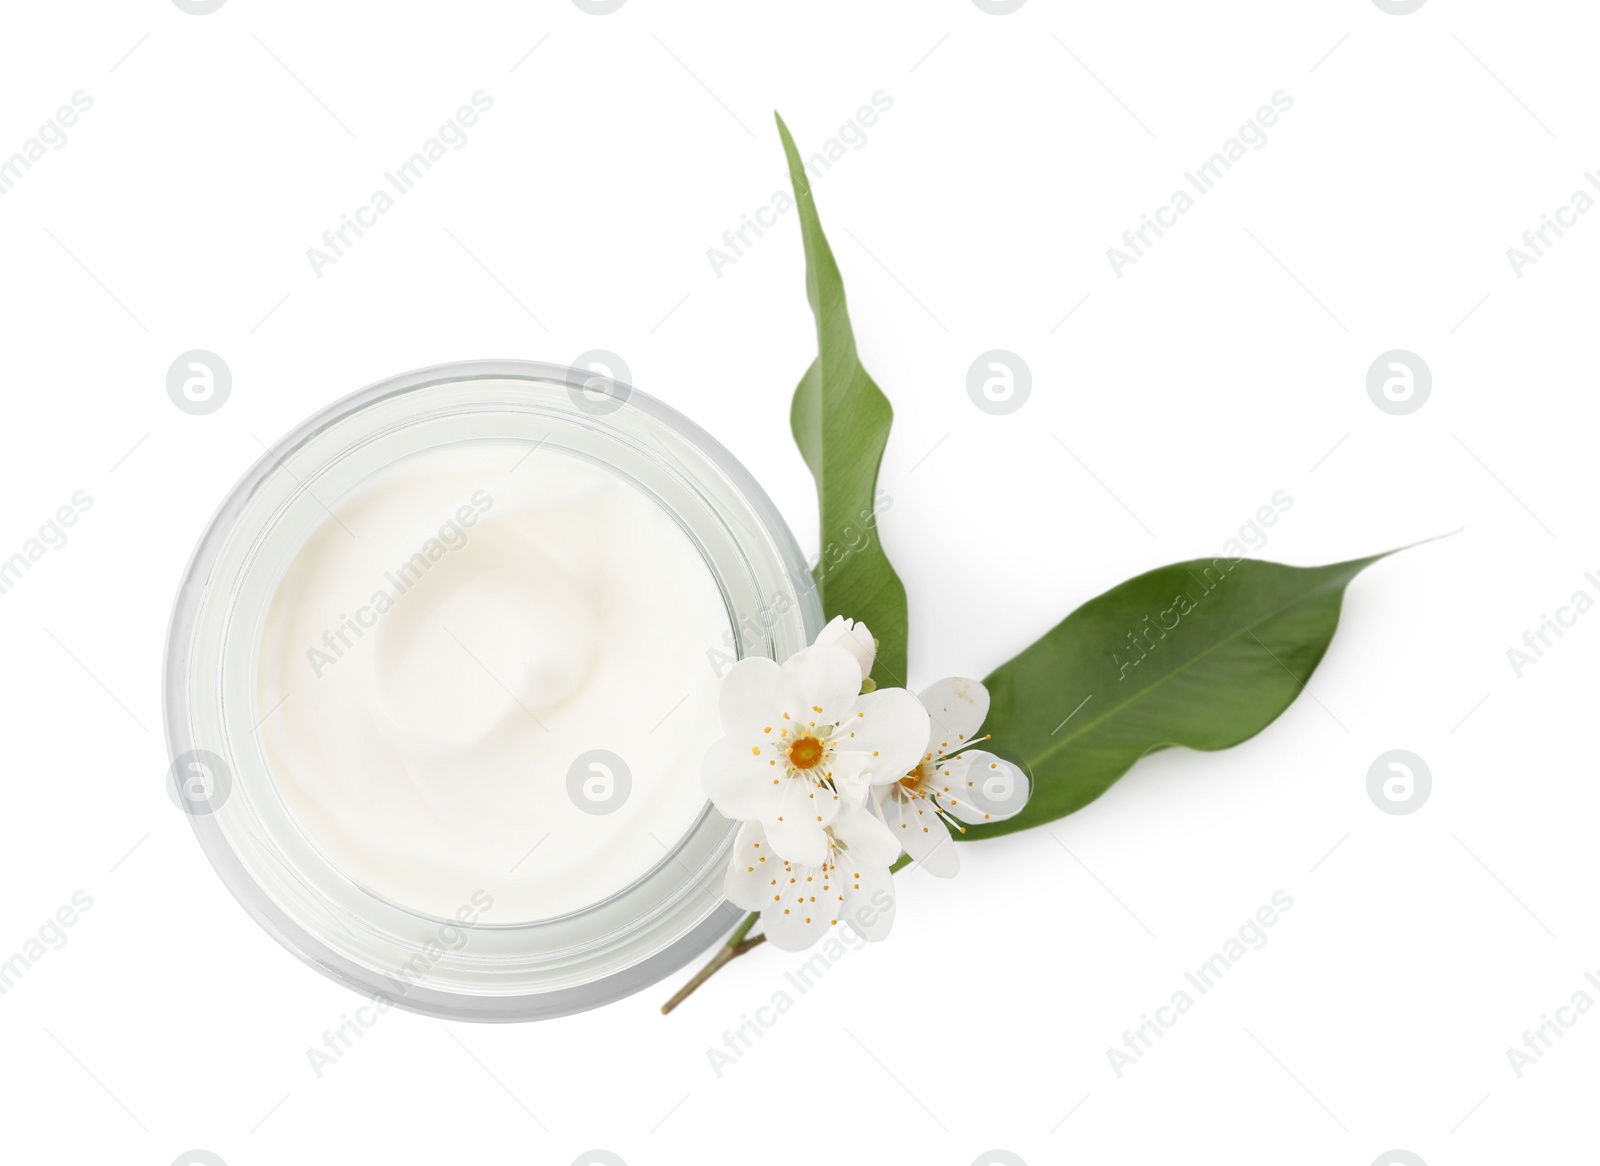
[866, 838]
[980, 787]
[805, 905]
[809, 800]
[848, 772]
[798, 831]
[827, 680]
[921, 833]
[755, 693]
[944, 860]
[741, 783]
[957, 708]
[891, 728]
[753, 869]
[854, 638]
[868, 899]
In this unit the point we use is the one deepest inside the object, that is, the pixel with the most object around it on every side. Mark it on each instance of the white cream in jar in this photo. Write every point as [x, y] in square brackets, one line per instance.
[489, 672]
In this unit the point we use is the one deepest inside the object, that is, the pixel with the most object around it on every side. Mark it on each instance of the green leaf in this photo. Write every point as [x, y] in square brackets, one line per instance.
[840, 420]
[1204, 654]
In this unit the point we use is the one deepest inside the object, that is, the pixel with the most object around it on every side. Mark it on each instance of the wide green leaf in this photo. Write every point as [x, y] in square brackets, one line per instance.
[1204, 654]
[840, 420]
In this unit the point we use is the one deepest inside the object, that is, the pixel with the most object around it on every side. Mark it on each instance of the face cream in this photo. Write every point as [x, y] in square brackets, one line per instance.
[441, 674]
[466, 628]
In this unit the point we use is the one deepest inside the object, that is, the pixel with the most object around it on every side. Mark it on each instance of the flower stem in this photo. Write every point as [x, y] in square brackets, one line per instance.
[736, 946]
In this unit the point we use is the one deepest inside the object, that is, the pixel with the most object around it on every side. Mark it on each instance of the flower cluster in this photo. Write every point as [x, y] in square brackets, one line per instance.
[834, 778]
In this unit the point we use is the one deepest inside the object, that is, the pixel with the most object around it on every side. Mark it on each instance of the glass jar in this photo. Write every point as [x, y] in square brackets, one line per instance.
[464, 966]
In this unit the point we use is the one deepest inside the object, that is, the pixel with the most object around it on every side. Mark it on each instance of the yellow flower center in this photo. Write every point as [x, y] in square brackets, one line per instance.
[806, 753]
[913, 780]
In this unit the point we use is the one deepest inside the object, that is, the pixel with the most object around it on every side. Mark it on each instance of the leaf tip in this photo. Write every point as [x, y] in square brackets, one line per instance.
[1421, 542]
[797, 171]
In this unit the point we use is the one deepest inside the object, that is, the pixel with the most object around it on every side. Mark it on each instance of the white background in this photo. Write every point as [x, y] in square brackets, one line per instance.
[1227, 364]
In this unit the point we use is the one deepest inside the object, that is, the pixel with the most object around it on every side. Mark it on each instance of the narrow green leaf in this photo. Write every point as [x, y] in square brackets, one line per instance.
[1204, 654]
[840, 420]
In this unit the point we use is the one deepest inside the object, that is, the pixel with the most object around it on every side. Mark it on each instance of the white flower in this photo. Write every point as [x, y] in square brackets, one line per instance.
[800, 903]
[949, 785]
[854, 638]
[803, 743]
